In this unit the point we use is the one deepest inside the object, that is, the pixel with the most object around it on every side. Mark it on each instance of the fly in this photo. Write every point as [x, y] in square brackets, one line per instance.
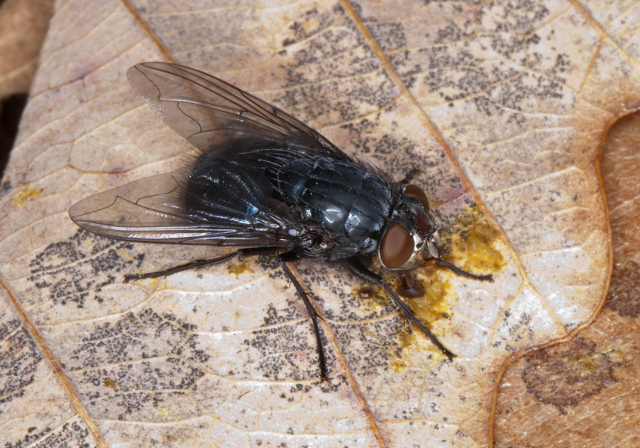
[267, 184]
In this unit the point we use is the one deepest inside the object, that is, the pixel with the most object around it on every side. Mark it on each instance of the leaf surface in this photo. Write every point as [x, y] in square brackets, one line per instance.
[502, 105]
[583, 391]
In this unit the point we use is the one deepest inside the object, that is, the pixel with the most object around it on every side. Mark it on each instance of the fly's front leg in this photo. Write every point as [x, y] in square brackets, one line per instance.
[313, 314]
[456, 270]
[361, 271]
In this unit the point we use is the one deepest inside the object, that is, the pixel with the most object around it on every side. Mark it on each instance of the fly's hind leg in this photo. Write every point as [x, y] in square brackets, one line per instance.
[197, 264]
[313, 314]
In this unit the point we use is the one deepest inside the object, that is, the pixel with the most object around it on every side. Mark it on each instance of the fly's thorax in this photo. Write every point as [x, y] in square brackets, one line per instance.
[347, 202]
[410, 237]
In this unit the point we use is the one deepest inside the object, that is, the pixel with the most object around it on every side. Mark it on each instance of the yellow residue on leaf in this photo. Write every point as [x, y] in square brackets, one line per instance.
[20, 197]
[589, 364]
[240, 268]
[375, 295]
[405, 342]
[470, 244]
[164, 411]
[87, 244]
[125, 255]
[434, 305]
[153, 283]
[111, 384]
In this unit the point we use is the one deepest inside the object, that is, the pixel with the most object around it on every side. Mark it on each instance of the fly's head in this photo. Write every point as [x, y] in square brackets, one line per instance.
[410, 238]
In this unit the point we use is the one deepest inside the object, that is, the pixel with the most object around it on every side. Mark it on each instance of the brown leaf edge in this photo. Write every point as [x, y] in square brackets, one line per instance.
[569, 337]
[81, 410]
[390, 70]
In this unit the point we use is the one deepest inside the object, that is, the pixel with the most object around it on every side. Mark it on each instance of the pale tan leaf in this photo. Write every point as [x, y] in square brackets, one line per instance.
[583, 393]
[502, 105]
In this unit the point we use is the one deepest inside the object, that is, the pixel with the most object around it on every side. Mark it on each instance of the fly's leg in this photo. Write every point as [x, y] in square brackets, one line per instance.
[197, 264]
[410, 286]
[310, 309]
[364, 273]
[410, 176]
[283, 258]
[456, 270]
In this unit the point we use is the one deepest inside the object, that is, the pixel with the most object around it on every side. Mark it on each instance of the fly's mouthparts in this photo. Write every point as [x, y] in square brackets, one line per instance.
[433, 249]
[436, 238]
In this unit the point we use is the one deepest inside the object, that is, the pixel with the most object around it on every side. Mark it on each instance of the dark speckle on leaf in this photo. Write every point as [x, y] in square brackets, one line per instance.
[73, 271]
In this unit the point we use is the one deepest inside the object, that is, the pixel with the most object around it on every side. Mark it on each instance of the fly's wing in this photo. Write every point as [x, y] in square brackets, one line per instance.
[225, 197]
[213, 202]
[217, 117]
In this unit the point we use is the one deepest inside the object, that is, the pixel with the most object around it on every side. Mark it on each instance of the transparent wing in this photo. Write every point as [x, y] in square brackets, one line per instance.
[225, 197]
[210, 203]
[209, 112]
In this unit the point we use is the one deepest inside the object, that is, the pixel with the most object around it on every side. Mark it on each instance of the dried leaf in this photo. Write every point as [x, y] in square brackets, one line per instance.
[502, 105]
[23, 24]
[581, 393]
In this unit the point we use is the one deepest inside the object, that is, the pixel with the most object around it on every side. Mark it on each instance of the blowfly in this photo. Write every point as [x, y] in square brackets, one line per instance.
[266, 184]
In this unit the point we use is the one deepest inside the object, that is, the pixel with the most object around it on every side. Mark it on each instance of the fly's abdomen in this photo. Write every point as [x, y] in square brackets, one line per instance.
[349, 203]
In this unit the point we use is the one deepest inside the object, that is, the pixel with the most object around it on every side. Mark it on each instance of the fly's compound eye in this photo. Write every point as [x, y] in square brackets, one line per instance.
[396, 247]
[413, 191]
